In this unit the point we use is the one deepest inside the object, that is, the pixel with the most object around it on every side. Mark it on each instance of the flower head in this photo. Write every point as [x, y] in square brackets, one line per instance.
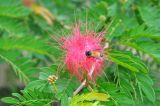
[78, 60]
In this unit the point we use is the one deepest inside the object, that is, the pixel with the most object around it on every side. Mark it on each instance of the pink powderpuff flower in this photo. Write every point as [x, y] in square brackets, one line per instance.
[77, 46]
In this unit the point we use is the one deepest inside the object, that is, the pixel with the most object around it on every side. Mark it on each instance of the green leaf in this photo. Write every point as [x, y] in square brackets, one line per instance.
[25, 43]
[9, 100]
[127, 60]
[140, 31]
[64, 100]
[43, 76]
[87, 104]
[14, 11]
[18, 96]
[65, 88]
[96, 96]
[41, 85]
[91, 96]
[46, 71]
[150, 14]
[13, 26]
[30, 98]
[146, 46]
[97, 10]
[117, 97]
[146, 84]
[10, 2]
[65, 85]
[9, 57]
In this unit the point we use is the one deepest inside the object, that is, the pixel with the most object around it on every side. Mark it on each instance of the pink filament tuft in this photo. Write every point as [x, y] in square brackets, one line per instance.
[76, 60]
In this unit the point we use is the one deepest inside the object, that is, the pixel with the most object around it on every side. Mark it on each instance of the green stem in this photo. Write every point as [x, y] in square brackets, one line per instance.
[54, 88]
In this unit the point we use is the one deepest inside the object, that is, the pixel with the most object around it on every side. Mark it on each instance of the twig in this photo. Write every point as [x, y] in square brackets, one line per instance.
[80, 87]
[84, 82]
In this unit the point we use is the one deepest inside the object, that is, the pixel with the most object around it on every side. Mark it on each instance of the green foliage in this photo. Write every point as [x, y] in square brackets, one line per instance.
[81, 100]
[65, 89]
[127, 60]
[118, 98]
[145, 84]
[153, 19]
[12, 26]
[30, 98]
[10, 58]
[22, 43]
[133, 33]
[14, 11]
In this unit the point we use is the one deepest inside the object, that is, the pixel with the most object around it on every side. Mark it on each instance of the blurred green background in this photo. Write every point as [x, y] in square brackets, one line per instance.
[26, 46]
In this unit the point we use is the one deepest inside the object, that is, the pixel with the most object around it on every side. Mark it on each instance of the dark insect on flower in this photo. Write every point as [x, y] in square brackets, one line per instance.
[95, 54]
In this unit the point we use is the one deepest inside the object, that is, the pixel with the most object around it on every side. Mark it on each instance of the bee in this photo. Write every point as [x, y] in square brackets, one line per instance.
[52, 79]
[95, 54]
